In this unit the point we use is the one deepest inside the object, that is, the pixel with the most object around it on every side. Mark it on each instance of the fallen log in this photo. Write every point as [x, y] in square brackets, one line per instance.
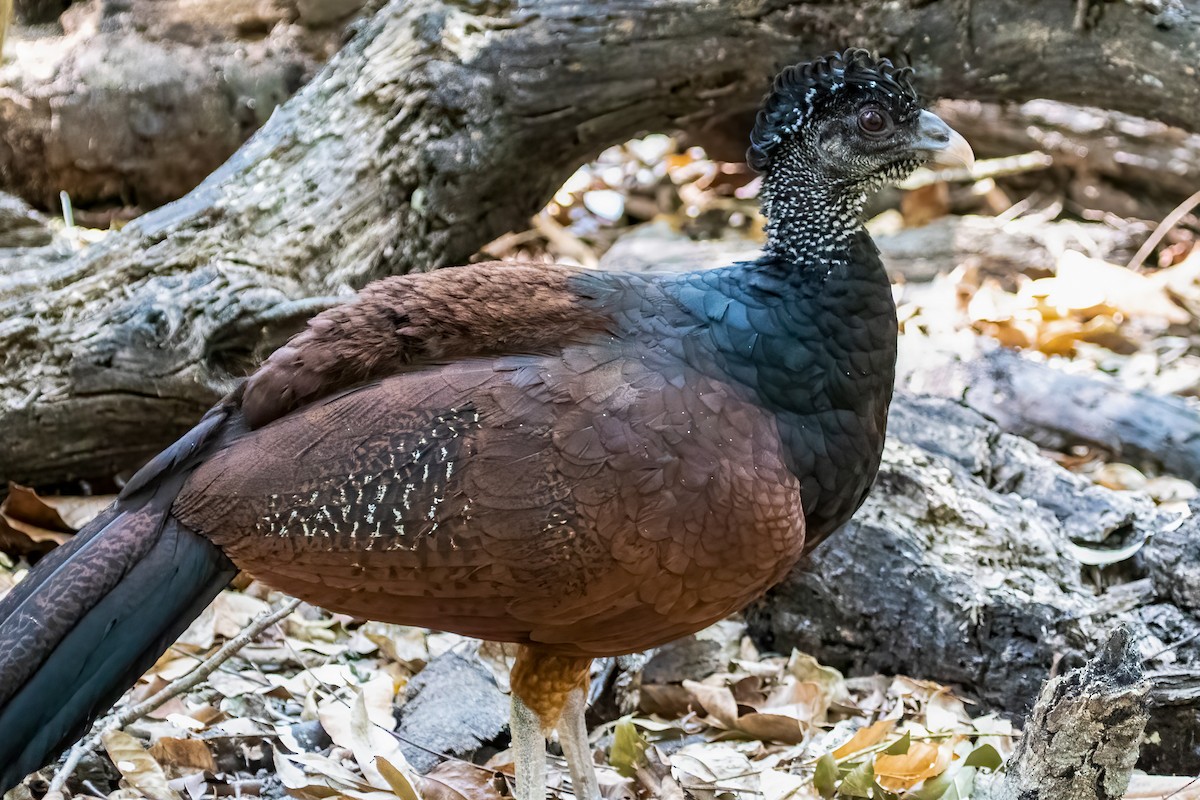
[920, 254]
[174, 87]
[1026, 398]
[976, 562]
[441, 126]
[1103, 160]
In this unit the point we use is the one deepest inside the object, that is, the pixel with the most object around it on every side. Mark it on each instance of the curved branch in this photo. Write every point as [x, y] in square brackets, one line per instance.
[444, 124]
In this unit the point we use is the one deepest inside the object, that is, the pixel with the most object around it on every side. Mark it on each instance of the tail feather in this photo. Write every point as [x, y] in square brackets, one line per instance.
[92, 617]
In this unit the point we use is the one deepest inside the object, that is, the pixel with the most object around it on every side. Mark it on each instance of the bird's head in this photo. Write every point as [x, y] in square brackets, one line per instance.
[849, 120]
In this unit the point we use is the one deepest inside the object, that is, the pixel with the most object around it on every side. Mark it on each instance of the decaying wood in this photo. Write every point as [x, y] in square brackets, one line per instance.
[969, 564]
[441, 126]
[175, 87]
[21, 226]
[1026, 398]
[1102, 159]
[1081, 740]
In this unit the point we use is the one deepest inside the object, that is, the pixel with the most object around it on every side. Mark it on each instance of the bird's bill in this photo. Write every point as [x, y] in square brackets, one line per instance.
[941, 144]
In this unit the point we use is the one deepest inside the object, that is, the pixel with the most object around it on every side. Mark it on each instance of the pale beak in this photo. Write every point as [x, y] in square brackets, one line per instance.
[941, 144]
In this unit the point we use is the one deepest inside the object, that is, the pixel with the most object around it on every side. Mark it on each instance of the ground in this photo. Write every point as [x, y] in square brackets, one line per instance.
[311, 706]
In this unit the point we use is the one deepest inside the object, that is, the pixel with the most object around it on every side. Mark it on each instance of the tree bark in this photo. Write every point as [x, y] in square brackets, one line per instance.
[1081, 740]
[133, 103]
[441, 126]
[1024, 397]
[972, 563]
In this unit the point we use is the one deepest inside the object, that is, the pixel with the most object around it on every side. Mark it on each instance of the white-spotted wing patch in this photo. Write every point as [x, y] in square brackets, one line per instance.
[393, 492]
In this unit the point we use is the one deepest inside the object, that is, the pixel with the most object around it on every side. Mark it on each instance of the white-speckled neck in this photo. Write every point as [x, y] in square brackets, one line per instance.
[808, 219]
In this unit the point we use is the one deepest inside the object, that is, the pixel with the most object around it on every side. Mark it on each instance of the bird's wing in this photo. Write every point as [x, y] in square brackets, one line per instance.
[603, 497]
[408, 321]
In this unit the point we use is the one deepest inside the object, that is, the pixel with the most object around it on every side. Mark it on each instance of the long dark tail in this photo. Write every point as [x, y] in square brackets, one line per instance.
[94, 614]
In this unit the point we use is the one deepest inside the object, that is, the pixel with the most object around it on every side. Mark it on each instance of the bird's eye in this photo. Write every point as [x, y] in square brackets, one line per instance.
[874, 121]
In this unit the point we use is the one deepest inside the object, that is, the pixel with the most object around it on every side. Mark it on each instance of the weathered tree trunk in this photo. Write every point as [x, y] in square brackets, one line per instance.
[973, 563]
[133, 103]
[437, 129]
[1102, 160]
[1024, 397]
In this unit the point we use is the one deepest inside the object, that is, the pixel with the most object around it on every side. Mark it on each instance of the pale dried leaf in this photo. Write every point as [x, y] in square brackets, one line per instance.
[137, 766]
[1161, 787]
[717, 702]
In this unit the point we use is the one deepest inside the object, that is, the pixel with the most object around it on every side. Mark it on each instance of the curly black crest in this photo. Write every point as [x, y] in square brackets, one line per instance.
[800, 90]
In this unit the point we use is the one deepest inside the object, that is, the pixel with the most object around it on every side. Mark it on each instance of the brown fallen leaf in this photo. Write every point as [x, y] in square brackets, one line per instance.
[666, 700]
[458, 780]
[137, 766]
[23, 540]
[865, 738]
[186, 753]
[772, 727]
[923, 760]
[24, 505]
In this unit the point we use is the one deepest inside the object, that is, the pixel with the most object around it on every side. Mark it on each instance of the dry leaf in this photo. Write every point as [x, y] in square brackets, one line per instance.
[717, 702]
[945, 712]
[137, 766]
[923, 760]
[24, 505]
[772, 727]
[698, 766]
[778, 785]
[1161, 787]
[1130, 292]
[400, 782]
[77, 511]
[191, 753]
[458, 780]
[665, 700]
[865, 738]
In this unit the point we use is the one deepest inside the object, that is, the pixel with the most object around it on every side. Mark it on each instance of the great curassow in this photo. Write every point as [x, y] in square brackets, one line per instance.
[582, 463]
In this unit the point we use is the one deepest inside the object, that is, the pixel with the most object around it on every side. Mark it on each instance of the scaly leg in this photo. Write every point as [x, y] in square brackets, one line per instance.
[542, 685]
[573, 736]
[529, 751]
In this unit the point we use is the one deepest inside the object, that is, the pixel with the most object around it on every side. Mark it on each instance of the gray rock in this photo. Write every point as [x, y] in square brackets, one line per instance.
[683, 660]
[322, 12]
[453, 707]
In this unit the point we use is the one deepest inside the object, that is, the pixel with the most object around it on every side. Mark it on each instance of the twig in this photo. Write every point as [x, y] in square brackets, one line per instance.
[980, 170]
[5, 12]
[1187, 785]
[1176, 645]
[1164, 227]
[564, 241]
[173, 689]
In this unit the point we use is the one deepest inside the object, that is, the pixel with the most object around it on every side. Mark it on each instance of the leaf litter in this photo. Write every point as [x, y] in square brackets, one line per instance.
[764, 726]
